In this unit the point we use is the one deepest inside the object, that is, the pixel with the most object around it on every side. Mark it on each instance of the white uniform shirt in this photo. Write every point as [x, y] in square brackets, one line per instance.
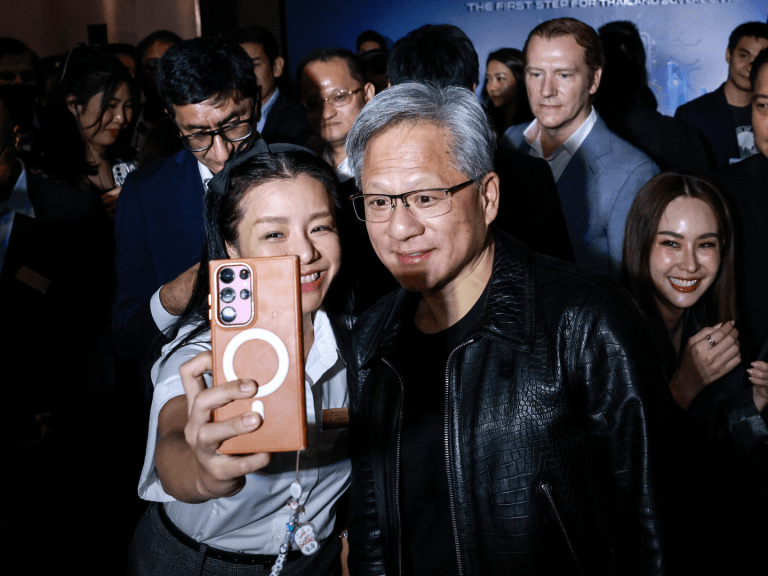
[253, 521]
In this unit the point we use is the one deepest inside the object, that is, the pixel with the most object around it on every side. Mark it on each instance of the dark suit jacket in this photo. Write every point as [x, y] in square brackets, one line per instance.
[745, 185]
[529, 205]
[712, 117]
[670, 142]
[286, 123]
[48, 334]
[159, 234]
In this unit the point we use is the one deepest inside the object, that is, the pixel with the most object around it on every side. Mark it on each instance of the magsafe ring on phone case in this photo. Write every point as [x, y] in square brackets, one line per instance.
[228, 361]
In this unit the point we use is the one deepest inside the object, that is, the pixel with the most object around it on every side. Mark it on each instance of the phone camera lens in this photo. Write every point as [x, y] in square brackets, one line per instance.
[227, 295]
[227, 275]
[228, 314]
[245, 294]
[244, 273]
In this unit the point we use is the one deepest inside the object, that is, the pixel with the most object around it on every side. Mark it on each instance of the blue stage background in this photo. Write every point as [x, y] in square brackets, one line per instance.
[685, 40]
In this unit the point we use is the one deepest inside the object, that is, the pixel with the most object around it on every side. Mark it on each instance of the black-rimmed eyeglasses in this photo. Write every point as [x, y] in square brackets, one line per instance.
[421, 204]
[235, 132]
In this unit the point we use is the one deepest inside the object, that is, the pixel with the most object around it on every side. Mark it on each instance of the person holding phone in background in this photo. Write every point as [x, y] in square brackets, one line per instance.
[93, 108]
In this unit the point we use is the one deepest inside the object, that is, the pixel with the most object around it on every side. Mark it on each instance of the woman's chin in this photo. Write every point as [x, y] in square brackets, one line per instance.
[311, 301]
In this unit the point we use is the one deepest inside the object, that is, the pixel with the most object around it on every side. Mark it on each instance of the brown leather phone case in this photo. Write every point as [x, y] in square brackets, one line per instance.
[256, 334]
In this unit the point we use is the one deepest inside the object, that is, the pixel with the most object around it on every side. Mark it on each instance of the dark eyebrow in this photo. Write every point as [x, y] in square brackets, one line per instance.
[271, 220]
[676, 235]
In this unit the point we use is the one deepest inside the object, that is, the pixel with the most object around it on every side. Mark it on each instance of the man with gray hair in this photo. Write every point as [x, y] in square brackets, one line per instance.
[503, 414]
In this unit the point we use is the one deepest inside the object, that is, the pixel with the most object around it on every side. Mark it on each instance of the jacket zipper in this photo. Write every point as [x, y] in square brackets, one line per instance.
[397, 471]
[547, 489]
[448, 455]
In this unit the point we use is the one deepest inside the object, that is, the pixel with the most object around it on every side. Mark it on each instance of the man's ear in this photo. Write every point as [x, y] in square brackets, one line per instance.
[489, 190]
[16, 137]
[72, 105]
[277, 67]
[232, 251]
[370, 91]
[728, 55]
[596, 75]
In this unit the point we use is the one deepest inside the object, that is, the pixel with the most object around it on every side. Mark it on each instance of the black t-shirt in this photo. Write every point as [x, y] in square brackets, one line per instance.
[742, 120]
[429, 546]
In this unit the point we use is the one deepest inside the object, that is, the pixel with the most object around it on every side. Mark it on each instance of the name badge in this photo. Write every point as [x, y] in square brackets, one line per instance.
[335, 419]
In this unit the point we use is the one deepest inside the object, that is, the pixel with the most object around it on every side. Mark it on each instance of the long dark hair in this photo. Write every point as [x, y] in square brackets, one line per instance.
[85, 73]
[513, 59]
[223, 215]
[718, 304]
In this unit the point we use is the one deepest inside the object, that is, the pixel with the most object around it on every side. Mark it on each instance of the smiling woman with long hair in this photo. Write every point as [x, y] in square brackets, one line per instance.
[679, 265]
[678, 262]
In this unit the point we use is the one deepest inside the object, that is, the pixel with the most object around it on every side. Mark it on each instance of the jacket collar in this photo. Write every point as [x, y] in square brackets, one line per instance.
[509, 308]
[598, 141]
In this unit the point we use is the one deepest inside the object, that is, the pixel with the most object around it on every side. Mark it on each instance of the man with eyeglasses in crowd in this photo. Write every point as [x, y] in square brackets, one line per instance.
[333, 91]
[209, 90]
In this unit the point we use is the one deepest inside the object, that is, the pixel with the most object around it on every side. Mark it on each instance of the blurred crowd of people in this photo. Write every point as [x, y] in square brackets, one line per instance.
[106, 156]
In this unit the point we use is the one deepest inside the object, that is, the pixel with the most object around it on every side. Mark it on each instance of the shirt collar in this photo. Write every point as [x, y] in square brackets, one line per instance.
[265, 108]
[205, 174]
[18, 201]
[324, 354]
[344, 171]
[533, 136]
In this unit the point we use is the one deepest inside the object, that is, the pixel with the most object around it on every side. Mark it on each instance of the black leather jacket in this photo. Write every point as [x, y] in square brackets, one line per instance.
[553, 424]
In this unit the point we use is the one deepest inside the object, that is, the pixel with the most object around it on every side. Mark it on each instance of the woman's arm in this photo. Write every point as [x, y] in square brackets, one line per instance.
[189, 465]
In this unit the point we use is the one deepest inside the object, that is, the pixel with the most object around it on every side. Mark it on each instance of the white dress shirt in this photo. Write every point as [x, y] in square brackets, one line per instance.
[265, 108]
[560, 157]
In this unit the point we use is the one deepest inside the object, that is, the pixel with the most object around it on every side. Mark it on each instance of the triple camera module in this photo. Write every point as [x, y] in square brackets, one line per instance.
[228, 314]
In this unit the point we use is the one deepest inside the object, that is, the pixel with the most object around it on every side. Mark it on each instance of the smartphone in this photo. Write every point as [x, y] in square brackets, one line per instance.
[256, 334]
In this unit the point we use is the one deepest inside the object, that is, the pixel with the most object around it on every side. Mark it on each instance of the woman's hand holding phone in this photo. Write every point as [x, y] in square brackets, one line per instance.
[219, 475]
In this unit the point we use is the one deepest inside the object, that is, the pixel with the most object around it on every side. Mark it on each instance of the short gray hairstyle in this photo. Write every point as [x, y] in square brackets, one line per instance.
[454, 108]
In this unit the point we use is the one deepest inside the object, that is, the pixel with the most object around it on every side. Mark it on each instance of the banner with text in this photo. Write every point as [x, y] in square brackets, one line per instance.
[685, 40]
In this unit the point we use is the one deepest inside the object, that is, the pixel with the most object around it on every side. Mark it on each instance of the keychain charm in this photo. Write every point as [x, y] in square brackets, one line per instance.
[302, 535]
[305, 539]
